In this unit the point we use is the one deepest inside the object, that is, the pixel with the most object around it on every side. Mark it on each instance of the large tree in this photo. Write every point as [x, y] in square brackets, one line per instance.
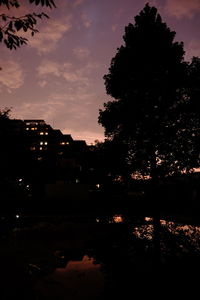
[151, 111]
[11, 26]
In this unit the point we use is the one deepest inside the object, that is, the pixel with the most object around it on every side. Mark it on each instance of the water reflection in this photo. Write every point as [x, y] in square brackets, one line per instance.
[116, 218]
[79, 279]
[81, 259]
[174, 236]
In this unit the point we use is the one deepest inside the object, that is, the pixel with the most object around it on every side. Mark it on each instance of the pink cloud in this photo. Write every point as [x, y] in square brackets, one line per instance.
[11, 75]
[182, 8]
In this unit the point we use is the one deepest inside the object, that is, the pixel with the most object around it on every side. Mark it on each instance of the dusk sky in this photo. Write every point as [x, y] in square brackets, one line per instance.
[58, 76]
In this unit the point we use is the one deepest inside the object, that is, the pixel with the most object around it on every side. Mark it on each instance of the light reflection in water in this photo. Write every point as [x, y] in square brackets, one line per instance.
[77, 280]
[187, 235]
[117, 218]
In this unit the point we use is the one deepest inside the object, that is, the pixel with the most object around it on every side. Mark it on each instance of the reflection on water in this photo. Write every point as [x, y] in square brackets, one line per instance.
[80, 279]
[186, 237]
[93, 259]
[117, 218]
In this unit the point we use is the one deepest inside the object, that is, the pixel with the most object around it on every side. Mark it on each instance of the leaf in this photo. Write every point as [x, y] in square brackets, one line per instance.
[18, 25]
[4, 18]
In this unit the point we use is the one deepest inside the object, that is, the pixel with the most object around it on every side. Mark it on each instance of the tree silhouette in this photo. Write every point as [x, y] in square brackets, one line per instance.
[149, 80]
[10, 26]
[153, 108]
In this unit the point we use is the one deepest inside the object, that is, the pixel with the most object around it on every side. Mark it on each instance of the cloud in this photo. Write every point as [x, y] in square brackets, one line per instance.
[49, 35]
[192, 49]
[49, 67]
[87, 22]
[81, 53]
[77, 76]
[182, 8]
[77, 2]
[11, 75]
[30, 110]
[114, 27]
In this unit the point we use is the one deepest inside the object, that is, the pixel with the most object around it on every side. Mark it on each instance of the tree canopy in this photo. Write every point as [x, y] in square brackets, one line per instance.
[155, 92]
[10, 25]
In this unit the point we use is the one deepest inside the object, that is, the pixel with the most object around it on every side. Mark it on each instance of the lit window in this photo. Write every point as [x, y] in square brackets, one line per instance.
[39, 158]
[67, 143]
[32, 148]
[41, 148]
[41, 143]
[27, 128]
[46, 133]
[45, 143]
[41, 133]
[62, 143]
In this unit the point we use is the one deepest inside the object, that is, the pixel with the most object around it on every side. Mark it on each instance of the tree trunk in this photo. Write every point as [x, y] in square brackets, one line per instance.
[154, 195]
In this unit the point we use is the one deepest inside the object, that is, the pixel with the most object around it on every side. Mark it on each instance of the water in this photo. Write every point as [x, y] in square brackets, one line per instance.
[94, 257]
[79, 279]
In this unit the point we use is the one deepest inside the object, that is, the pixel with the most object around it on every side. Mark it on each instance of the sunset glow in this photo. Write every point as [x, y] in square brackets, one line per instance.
[58, 76]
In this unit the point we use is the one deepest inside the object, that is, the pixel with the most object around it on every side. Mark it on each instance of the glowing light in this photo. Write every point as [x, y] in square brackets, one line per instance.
[117, 219]
[17, 216]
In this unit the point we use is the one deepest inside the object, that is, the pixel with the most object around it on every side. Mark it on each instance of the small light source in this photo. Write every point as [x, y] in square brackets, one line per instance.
[98, 185]
[17, 216]
[20, 179]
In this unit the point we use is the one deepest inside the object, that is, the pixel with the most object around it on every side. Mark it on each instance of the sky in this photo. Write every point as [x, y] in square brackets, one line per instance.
[58, 76]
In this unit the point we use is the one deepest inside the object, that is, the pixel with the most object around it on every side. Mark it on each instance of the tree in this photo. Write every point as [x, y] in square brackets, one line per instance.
[10, 26]
[148, 78]
[152, 113]
[12, 147]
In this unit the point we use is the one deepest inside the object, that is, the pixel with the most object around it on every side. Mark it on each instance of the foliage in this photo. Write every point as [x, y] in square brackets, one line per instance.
[10, 26]
[151, 111]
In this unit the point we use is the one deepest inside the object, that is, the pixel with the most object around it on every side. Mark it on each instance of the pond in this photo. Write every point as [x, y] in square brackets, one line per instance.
[95, 257]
